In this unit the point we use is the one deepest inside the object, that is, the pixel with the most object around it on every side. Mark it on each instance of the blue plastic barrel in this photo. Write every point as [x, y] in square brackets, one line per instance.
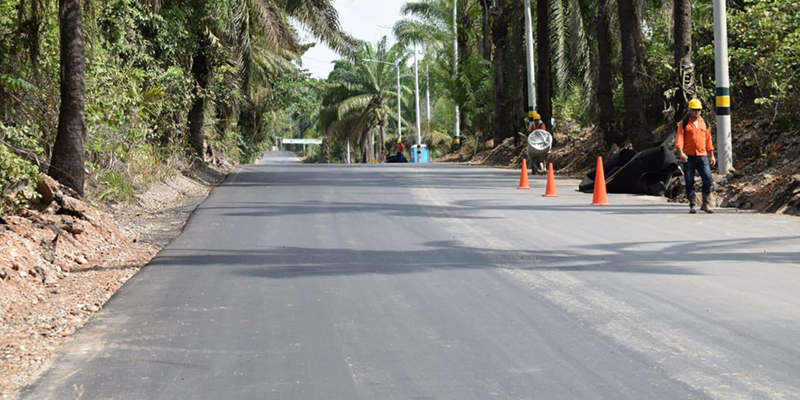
[425, 156]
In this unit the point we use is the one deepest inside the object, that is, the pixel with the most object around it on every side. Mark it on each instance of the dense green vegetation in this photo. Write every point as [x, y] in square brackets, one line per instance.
[613, 66]
[165, 81]
[169, 82]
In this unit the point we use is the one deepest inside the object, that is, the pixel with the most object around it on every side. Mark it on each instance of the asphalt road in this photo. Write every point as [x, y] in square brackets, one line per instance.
[297, 281]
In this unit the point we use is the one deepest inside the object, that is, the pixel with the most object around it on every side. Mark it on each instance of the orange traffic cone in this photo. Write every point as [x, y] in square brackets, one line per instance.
[600, 195]
[551, 182]
[523, 179]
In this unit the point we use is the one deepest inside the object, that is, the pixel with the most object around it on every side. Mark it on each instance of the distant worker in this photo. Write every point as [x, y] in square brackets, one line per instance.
[537, 122]
[399, 157]
[694, 144]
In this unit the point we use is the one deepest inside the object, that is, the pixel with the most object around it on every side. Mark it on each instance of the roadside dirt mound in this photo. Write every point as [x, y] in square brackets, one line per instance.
[57, 266]
[767, 177]
[507, 154]
[61, 262]
[574, 155]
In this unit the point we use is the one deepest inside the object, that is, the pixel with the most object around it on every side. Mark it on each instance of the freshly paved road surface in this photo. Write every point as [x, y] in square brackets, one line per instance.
[297, 281]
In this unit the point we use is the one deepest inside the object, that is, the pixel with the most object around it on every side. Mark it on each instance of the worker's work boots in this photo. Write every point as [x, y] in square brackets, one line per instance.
[693, 205]
[706, 204]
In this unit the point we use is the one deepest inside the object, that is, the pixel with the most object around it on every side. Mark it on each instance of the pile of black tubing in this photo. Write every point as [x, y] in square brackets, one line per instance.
[647, 172]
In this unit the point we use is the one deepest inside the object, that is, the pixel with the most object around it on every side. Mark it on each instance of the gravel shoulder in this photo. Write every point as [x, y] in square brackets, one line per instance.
[61, 263]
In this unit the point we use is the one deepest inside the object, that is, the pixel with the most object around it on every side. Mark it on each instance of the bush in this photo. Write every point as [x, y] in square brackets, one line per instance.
[16, 173]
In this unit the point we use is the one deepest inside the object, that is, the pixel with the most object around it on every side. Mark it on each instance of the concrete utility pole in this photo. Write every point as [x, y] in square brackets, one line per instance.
[723, 95]
[529, 54]
[399, 115]
[455, 71]
[428, 96]
[348, 151]
[416, 100]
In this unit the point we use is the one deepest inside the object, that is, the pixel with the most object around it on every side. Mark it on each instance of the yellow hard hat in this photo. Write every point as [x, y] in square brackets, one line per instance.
[535, 115]
[695, 104]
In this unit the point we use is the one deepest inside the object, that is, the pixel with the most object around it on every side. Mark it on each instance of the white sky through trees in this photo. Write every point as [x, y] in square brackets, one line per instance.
[367, 20]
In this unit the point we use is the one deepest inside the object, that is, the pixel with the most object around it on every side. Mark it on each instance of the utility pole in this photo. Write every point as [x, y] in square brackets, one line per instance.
[399, 116]
[348, 151]
[455, 71]
[529, 54]
[723, 94]
[416, 100]
[428, 96]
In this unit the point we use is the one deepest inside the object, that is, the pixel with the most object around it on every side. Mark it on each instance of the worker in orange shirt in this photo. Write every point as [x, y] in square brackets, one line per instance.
[537, 122]
[695, 146]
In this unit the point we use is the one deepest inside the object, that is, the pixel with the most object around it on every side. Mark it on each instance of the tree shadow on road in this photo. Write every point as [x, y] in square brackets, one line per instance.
[667, 257]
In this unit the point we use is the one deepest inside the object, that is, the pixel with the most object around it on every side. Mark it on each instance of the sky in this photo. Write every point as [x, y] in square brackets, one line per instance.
[365, 19]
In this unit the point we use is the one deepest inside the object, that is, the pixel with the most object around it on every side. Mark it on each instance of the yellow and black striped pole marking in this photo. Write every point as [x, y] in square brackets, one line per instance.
[723, 101]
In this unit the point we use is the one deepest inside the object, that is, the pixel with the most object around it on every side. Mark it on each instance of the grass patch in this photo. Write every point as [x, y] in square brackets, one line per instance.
[117, 188]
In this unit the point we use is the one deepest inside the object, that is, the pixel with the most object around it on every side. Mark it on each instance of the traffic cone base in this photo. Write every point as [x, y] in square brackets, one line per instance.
[523, 178]
[600, 197]
[551, 182]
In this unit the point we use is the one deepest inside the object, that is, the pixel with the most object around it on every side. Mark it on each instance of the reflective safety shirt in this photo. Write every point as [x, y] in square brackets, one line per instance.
[695, 138]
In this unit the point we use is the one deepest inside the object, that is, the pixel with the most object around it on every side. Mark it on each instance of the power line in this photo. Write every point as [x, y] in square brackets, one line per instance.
[315, 59]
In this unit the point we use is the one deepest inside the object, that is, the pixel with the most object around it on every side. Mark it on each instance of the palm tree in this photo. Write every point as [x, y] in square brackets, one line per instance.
[262, 35]
[67, 163]
[605, 76]
[431, 24]
[635, 120]
[544, 78]
[682, 32]
[584, 52]
[503, 16]
[360, 94]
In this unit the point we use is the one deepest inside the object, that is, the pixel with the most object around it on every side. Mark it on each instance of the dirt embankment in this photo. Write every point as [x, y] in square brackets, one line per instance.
[766, 159]
[767, 176]
[60, 263]
[572, 156]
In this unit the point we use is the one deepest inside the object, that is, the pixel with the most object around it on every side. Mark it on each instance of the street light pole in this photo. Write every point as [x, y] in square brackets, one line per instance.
[723, 93]
[428, 96]
[529, 51]
[455, 71]
[416, 101]
[399, 116]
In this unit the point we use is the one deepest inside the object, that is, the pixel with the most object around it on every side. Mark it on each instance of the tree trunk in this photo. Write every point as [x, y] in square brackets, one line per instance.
[635, 121]
[544, 75]
[67, 164]
[486, 24]
[371, 151]
[382, 146]
[31, 24]
[464, 30]
[518, 84]
[364, 142]
[200, 71]
[605, 84]
[682, 15]
[500, 27]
